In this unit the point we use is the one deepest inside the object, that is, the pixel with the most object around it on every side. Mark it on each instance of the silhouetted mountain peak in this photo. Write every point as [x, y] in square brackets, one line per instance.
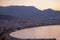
[49, 9]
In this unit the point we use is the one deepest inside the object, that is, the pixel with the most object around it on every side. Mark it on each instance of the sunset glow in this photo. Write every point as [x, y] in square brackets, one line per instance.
[40, 4]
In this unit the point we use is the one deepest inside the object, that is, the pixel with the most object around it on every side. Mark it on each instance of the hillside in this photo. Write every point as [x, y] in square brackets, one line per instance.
[10, 24]
[13, 18]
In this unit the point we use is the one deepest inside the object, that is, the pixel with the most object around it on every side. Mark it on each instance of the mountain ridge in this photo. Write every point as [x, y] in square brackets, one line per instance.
[29, 12]
[27, 6]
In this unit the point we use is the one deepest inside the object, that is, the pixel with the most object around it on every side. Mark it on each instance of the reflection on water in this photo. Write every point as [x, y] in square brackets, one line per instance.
[38, 32]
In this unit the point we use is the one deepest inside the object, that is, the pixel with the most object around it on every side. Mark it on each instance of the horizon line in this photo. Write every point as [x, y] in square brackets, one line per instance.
[31, 6]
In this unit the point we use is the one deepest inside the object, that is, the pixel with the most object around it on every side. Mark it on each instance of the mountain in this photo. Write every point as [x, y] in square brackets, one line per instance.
[50, 14]
[14, 18]
[27, 12]
[30, 12]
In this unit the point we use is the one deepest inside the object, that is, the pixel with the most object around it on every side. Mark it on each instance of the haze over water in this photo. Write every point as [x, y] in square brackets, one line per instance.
[38, 32]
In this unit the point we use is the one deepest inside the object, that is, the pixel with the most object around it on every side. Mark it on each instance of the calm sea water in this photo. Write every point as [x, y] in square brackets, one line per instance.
[38, 32]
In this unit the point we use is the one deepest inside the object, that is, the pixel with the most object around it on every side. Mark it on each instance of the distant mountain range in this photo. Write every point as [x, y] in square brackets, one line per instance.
[14, 18]
[30, 12]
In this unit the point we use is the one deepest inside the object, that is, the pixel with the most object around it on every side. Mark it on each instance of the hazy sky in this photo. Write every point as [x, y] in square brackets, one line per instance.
[40, 4]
